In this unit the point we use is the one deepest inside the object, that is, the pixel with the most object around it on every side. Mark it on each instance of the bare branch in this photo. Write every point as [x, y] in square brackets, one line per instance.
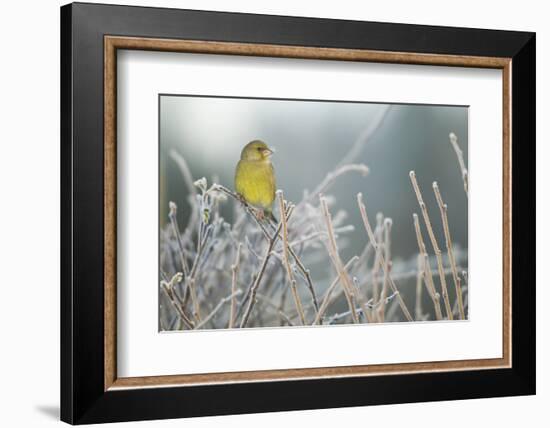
[378, 232]
[369, 305]
[460, 156]
[328, 294]
[418, 306]
[254, 289]
[450, 253]
[307, 276]
[168, 288]
[234, 273]
[426, 270]
[176, 231]
[335, 257]
[218, 307]
[365, 136]
[435, 246]
[370, 233]
[280, 312]
[286, 259]
[387, 254]
[305, 273]
[331, 178]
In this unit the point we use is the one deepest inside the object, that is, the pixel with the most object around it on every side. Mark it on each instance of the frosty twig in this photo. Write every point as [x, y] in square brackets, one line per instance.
[450, 252]
[435, 246]
[286, 258]
[370, 233]
[460, 157]
[234, 272]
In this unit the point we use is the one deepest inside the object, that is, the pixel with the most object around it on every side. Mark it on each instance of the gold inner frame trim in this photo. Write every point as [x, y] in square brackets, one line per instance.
[113, 43]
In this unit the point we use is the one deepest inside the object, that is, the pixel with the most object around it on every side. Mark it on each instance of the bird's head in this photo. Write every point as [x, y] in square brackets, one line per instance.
[256, 151]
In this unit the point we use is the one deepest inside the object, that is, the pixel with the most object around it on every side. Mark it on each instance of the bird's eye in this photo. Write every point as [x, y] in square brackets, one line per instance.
[259, 149]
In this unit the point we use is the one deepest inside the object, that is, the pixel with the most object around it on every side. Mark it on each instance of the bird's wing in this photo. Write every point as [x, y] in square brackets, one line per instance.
[255, 181]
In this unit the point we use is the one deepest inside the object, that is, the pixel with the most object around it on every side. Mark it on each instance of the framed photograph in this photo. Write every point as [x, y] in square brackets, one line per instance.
[265, 213]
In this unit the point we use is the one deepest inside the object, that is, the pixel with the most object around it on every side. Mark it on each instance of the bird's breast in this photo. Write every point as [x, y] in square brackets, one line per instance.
[255, 181]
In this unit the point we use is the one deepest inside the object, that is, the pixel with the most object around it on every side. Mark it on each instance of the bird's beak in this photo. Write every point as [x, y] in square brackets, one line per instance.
[268, 152]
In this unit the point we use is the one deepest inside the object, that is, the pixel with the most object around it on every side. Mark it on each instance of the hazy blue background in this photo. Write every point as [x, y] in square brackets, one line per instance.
[310, 139]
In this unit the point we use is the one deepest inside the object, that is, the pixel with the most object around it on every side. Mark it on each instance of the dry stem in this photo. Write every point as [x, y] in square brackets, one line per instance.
[254, 289]
[176, 231]
[370, 233]
[427, 271]
[335, 257]
[268, 302]
[460, 156]
[365, 136]
[332, 176]
[435, 246]
[305, 273]
[369, 305]
[222, 302]
[418, 304]
[168, 288]
[450, 252]
[286, 259]
[328, 294]
[387, 253]
[201, 238]
[234, 273]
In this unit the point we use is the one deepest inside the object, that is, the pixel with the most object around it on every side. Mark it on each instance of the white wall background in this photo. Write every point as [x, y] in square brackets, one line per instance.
[29, 213]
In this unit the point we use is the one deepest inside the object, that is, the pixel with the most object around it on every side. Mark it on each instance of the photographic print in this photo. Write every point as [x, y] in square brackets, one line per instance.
[283, 212]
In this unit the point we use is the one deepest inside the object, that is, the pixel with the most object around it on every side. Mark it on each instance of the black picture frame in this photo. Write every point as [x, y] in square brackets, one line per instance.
[83, 398]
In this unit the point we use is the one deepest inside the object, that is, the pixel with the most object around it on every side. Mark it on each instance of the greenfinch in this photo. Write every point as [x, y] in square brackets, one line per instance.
[255, 177]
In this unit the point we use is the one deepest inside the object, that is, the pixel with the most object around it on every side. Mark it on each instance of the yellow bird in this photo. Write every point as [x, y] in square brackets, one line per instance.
[255, 177]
